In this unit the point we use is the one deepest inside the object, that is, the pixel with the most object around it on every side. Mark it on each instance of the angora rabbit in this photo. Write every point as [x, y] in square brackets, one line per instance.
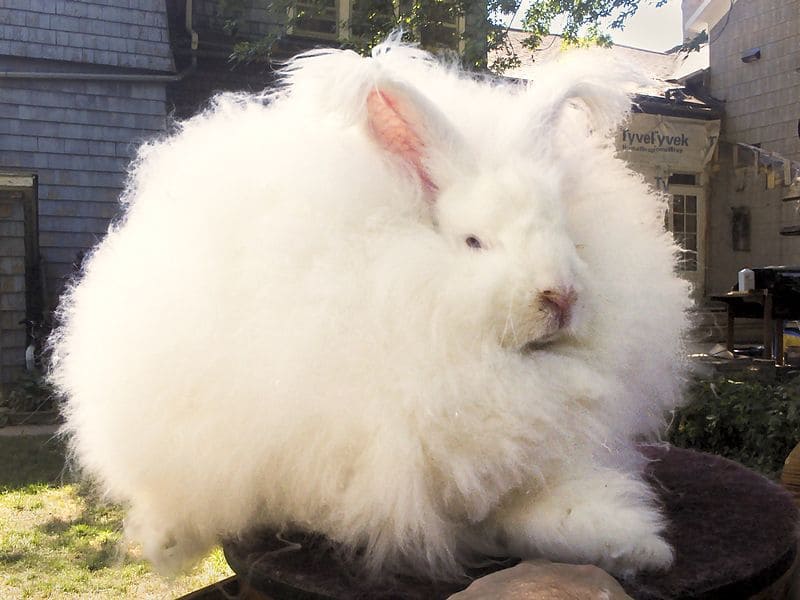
[418, 312]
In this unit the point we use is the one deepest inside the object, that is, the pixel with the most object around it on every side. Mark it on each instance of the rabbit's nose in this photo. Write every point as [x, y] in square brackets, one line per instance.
[560, 302]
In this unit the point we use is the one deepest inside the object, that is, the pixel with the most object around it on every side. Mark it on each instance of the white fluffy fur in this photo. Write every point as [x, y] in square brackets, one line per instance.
[287, 330]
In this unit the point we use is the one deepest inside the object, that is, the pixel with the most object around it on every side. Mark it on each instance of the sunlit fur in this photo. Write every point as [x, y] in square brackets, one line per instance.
[285, 330]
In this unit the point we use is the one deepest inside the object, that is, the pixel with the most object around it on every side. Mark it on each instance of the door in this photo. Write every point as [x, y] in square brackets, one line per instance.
[686, 219]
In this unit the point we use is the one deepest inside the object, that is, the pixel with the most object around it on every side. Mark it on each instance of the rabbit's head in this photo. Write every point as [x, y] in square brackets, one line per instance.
[499, 198]
[503, 213]
[510, 225]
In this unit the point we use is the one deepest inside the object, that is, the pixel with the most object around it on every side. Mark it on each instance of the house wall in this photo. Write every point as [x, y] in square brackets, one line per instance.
[189, 96]
[659, 146]
[117, 33]
[761, 107]
[76, 136]
[218, 29]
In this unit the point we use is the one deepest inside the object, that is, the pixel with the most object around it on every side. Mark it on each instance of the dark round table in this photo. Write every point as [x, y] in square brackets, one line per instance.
[734, 533]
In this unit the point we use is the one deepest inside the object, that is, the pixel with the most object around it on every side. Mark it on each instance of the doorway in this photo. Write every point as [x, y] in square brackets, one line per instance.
[20, 281]
[686, 219]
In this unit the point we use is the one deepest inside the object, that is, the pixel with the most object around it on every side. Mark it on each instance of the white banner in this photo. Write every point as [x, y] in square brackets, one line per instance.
[678, 143]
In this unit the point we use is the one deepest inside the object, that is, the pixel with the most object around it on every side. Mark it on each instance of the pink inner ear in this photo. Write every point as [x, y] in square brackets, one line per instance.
[391, 124]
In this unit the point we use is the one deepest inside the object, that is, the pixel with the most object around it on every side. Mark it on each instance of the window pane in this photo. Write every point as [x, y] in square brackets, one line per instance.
[677, 203]
[690, 242]
[691, 204]
[691, 224]
[677, 223]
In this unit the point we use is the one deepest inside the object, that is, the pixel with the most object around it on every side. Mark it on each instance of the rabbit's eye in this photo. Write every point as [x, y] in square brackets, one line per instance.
[473, 242]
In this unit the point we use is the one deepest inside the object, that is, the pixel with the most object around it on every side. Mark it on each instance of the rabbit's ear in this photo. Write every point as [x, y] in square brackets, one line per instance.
[599, 86]
[604, 107]
[397, 128]
[408, 127]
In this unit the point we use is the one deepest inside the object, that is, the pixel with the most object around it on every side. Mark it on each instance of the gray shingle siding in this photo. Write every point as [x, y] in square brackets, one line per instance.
[83, 179]
[66, 162]
[761, 107]
[78, 137]
[14, 93]
[128, 120]
[12, 228]
[124, 34]
[99, 133]
[72, 223]
[71, 201]
[10, 265]
[76, 239]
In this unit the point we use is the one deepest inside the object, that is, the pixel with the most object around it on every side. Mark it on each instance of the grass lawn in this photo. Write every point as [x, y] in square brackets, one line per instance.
[56, 541]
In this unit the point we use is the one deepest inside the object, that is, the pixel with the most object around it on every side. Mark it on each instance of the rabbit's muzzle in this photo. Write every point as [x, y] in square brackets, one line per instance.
[559, 303]
[555, 310]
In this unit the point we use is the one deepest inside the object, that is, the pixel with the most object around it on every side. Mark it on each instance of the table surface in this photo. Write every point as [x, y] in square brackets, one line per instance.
[750, 304]
[733, 532]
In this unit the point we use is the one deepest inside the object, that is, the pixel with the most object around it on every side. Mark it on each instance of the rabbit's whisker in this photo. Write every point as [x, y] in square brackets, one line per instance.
[509, 325]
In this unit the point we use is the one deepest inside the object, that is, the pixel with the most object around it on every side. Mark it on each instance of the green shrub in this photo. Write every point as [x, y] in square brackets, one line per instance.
[751, 422]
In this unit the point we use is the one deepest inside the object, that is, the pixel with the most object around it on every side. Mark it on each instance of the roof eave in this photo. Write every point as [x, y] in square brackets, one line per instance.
[675, 108]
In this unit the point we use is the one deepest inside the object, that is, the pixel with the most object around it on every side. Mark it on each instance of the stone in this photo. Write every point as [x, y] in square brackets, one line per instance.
[543, 580]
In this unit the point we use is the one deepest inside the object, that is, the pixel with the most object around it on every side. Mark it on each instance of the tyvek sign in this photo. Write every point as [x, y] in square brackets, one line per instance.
[654, 138]
[683, 144]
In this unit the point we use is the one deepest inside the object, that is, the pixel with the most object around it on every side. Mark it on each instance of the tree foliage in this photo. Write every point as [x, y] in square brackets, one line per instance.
[423, 21]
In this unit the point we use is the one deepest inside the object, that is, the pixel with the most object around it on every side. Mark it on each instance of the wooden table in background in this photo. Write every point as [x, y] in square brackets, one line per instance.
[757, 304]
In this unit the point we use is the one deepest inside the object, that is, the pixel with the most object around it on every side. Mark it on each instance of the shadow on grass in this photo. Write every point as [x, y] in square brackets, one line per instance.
[57, 539]
[31, 460]
[9, 558]
[91, 538]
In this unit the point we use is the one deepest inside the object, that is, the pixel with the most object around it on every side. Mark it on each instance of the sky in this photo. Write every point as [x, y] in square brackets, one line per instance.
[650, 28]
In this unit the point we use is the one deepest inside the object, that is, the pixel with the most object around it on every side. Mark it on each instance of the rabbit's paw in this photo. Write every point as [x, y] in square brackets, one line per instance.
[630, 544]
[648, 553]
[171, 547]
[606, 519]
